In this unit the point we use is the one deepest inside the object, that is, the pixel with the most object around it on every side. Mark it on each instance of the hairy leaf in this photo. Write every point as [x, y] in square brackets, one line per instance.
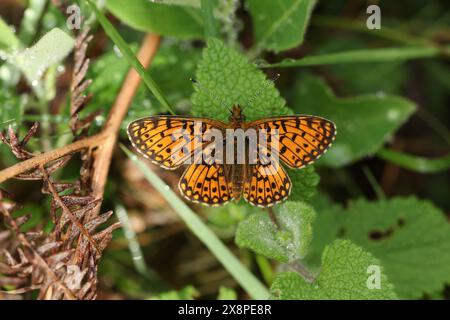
[304, 185]
[287, 243]
[226, 78]
[49, 50]
[344, 274]
[407, 235]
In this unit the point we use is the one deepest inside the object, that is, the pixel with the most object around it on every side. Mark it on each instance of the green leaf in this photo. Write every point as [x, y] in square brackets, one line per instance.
[363, 123]
[344, 275]
[187, 293]
[226, 78]
[8, 39]
[244, 277]
[226, 294]
[287, 243]
[280, 24]
[52, 48]
[359, 56]
[130, 57]
[418, 164]
[304, 183]
[407, 235]
[183, 22]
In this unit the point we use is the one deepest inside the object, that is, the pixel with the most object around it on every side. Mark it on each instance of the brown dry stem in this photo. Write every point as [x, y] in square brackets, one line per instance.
[104, 141]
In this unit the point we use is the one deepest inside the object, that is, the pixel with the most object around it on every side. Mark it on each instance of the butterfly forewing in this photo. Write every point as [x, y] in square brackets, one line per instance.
[300, 139]
[170, 141]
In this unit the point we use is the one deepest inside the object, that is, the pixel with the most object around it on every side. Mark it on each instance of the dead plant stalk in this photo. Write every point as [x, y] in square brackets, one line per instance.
[104, 141]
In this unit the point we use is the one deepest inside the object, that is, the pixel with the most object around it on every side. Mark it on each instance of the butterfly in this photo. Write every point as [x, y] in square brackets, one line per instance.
[172, 141]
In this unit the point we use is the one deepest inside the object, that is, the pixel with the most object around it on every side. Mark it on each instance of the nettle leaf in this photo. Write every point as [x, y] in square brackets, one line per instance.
[51, 49]
[407, 235]
[345, 274]
[33, 62]
[184, 22]
[364, 123]
[289, 243]
[305, 183]
[280, 24]
[225, 78]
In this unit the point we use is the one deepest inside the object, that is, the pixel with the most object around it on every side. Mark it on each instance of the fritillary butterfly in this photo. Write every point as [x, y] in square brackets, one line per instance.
[302, 139]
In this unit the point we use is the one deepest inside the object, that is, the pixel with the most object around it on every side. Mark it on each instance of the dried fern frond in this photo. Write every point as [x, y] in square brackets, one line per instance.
[63, 263]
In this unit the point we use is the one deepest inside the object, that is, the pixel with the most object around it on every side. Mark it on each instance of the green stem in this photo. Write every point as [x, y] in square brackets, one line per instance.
[265, 268]
[362, 56]
[246, 279]
[131, 58]
[355, 25]
[415, 163]
[30, 21]
[133, 243]
[374, 183]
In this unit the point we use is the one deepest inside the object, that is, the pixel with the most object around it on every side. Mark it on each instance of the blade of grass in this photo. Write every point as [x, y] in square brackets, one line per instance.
[32, 17]
[394, 34]
[265, 268]
[374, 183]
[415, 163]
[131, 58]
[208, 16]
[130, 235]
[245, 278]
[361, 56]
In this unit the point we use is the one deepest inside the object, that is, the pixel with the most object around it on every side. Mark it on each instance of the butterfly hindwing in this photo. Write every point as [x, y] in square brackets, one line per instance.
[206, 184]
[168, 140]
[301, 139]
[266, 185]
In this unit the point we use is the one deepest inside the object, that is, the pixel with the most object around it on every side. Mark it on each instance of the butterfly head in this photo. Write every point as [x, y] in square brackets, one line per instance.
[236, 114]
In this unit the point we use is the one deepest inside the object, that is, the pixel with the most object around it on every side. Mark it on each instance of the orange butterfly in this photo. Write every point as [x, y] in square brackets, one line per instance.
[300, 141]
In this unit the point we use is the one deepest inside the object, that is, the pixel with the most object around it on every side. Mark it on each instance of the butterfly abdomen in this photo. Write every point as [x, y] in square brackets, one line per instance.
[237, 173]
